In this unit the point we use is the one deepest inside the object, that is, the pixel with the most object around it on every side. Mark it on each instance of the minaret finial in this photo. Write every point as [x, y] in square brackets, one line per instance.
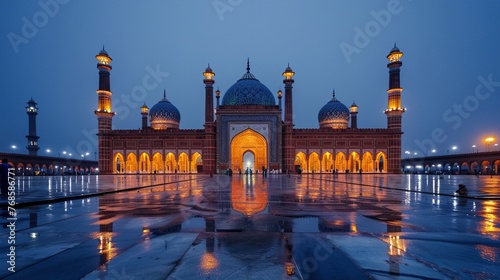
[165, 93]
[394, 44]
[103, 47]
[333, 92]
[248, 65]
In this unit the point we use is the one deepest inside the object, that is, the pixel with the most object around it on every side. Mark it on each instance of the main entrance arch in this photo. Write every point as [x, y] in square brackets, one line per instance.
[248, 141]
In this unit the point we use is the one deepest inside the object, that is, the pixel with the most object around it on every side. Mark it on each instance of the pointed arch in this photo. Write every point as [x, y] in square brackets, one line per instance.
[381, 162]
[196, 162]
[367, 162]
[131, 163]
[183, 163]
[158, 163]
[118, 163]
[300, 161]
[327, 162]
[354, 162]
[170, 163]
[340, 162]
[144, 163]
[314, 163]
[249, 140]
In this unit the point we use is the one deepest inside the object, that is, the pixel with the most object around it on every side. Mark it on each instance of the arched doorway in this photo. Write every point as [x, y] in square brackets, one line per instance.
[248, 161]
[248, 141]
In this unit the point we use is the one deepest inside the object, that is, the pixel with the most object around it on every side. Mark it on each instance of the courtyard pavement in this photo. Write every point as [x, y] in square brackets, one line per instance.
[310, 226]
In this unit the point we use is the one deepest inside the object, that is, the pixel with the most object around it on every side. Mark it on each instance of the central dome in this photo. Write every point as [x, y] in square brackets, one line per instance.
[248, 91]
[164, 115]
[334, 114]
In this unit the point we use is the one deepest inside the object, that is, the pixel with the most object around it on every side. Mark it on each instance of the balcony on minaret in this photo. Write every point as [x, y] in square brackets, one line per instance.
[209, 74]
[288, 74]
[395, 54]
[31, 108]
[103, 57]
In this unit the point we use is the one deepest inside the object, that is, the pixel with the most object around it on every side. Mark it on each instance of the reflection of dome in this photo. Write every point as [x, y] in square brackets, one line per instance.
[248, 91]
[164, 115]
[334, 114]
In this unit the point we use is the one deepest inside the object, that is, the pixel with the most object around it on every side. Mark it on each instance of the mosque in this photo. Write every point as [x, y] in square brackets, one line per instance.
[249, 130]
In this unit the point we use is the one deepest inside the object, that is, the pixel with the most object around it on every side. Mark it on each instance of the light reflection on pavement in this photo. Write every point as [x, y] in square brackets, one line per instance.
[249, 227]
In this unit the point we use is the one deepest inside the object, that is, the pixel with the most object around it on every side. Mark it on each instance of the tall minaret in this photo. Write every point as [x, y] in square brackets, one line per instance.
[104, 112]
[394, 111]
[288, 149]
[32, 111]
[209, 148]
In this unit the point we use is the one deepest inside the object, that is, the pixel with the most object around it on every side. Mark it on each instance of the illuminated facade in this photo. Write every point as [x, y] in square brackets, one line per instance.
[249, 130]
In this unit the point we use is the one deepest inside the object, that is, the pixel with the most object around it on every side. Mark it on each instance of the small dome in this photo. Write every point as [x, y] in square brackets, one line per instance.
[248, 91]
[334, 114]
[164, 115]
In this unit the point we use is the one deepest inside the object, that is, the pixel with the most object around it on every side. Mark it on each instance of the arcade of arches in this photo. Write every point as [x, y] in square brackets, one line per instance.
[340, 162]
[157, 163]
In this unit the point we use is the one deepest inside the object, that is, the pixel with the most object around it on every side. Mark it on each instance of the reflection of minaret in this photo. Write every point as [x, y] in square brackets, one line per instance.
[32, 111]
[394, 110]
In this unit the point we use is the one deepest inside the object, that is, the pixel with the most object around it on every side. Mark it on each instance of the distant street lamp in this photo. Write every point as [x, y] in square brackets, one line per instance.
[433, 151]
[488, 141]
[407, 153]
[13, 148]
[48, 151]
[454, 148]
[473, 148]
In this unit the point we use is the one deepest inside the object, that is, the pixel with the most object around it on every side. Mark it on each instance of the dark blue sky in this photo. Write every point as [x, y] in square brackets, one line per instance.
[450, 73]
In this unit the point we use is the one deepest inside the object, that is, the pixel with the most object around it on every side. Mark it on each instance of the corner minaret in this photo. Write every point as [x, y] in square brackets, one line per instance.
[394, 110]
[288, 149]
[32, 111]
[104, 112]
[209, 144]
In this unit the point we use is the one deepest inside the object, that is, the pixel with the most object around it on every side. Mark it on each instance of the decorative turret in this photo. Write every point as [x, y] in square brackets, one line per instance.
[217, 95]
[354, 115]
[32, 111]
[144, 113]
[280, 95]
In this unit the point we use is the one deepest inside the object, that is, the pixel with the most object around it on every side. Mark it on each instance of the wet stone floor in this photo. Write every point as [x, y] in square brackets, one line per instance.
[310, 226]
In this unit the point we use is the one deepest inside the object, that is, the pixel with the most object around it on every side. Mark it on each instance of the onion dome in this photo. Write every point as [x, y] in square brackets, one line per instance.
[164, 115]
[334, 114]
[248, 91]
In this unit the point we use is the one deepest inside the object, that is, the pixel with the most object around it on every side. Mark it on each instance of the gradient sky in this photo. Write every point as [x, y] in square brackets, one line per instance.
[450, 73]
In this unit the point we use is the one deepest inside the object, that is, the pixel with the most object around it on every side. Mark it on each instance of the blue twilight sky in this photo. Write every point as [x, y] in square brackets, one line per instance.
[450, 73]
